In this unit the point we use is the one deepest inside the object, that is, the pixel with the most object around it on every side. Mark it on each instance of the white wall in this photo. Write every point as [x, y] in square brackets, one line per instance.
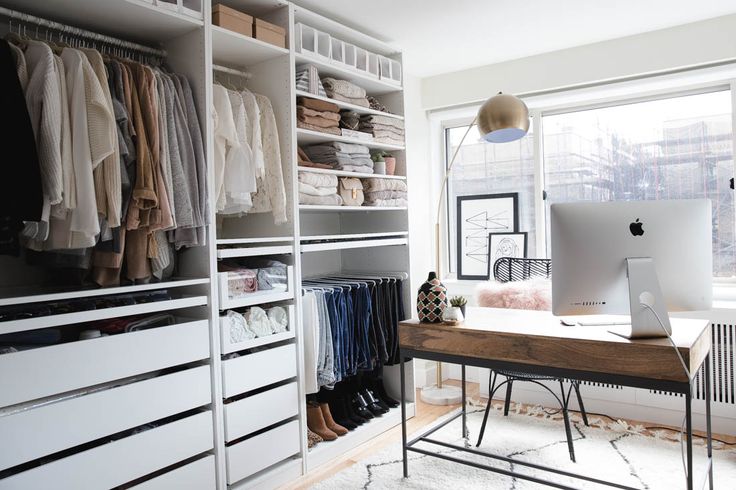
[682, 46]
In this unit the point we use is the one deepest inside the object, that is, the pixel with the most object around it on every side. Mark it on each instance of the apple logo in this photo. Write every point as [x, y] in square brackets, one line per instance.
[636, 228]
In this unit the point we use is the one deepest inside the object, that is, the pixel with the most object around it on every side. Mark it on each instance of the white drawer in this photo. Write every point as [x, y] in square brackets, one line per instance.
[199, 475]
[40, 431]
[259, 369]
[121, 461]
[56, 369]
[228, 345]
[250, 414]
[259, 452]
[256, 297]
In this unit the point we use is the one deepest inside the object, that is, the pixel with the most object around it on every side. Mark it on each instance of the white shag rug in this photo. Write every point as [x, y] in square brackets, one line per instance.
[616, 451]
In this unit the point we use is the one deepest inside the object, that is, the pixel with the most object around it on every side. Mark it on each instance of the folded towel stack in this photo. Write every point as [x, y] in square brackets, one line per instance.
[318, 189]
[342, 156]
[345, 91]
[318, 115]
[385, 193]
[383, 128]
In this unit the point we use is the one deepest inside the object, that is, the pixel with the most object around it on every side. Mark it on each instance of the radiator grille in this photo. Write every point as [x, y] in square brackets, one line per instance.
[723, 337]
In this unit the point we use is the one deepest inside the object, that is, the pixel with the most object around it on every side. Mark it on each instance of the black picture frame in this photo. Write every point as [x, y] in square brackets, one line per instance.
[492, 258]
[472, 237]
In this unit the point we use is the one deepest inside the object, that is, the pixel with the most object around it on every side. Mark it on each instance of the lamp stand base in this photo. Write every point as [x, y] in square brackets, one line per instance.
[447, 395]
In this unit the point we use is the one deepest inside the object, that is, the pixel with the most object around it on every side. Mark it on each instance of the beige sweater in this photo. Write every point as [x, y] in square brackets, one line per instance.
[104, 141]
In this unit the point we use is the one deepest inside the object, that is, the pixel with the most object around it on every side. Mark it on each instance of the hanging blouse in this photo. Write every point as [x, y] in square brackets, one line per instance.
[240, 173]
[271, 195]
[255, 139]
[226, 138]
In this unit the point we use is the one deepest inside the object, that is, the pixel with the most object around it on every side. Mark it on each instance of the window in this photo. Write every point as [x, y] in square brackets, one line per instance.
[482, 168]
[675, 147]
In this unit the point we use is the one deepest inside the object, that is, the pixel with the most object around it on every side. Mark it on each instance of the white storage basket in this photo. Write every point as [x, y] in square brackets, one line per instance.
[312, 42]
[337, 53]
[390, 70]
[373, 69]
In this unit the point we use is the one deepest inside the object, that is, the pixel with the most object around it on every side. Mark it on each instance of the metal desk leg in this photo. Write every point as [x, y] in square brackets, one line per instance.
[709, 435]
[689, 435]
[465, 413]
[403, 416]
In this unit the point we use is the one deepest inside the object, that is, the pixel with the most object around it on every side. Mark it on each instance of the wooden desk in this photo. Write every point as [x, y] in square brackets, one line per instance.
[536, 342]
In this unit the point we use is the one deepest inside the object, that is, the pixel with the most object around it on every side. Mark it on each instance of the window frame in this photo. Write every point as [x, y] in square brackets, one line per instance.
[544, 105]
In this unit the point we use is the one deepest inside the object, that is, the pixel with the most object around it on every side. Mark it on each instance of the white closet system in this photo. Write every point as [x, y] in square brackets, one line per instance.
[78, 413]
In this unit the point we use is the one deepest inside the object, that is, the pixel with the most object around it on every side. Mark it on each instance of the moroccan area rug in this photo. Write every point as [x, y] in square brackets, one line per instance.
[607, 450]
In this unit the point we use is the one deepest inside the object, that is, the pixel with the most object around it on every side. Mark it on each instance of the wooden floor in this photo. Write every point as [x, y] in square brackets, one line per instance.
[425, 415]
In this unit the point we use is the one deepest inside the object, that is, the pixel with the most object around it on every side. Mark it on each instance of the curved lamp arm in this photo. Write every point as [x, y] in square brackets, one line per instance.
[442, 193]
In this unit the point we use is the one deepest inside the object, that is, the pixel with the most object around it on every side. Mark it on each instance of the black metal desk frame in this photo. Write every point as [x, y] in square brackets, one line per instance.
[683, 388]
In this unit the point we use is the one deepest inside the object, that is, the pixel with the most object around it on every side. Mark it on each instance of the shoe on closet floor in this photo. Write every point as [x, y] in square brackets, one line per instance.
[361, 407]
[373, 405]
[316, 422]
[352, 413]
[330, 422]
[337, 409]
[376, 385]
[313, 439]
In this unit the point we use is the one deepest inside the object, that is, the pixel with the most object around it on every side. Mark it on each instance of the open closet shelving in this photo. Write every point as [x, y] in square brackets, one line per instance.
[228, 413]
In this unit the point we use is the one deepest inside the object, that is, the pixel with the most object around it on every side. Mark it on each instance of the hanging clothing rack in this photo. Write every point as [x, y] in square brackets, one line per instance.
[232, 71]
[75, 31]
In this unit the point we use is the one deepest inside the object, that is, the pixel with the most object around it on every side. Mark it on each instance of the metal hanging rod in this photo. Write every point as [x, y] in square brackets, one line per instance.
[232, 71]
[75, 31]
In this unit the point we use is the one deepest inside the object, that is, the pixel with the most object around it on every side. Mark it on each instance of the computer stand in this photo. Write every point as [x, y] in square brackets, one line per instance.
[644, 290]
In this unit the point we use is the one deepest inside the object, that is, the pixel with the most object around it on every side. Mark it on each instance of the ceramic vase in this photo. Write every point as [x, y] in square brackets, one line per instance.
[431, 300]
[379, 168]
[390, 165]
[453, 315]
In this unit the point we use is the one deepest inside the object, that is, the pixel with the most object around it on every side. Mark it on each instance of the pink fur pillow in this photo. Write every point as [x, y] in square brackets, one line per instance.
[533, 294]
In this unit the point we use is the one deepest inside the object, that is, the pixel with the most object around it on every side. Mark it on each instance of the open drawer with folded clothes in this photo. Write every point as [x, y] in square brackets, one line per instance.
[253, 281]
[255, 326]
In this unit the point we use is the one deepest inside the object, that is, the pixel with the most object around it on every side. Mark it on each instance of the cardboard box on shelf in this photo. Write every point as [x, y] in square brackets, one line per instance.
[270, 33]
[232, 20]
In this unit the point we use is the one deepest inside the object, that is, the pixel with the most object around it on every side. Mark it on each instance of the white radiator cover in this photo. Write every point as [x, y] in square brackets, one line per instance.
[650, 406]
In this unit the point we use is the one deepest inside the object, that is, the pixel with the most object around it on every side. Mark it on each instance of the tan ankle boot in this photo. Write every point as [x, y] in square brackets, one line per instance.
[316, 422]
[330, 422]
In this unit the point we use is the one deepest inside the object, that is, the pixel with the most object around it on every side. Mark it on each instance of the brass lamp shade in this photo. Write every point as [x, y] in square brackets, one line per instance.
[503, 118]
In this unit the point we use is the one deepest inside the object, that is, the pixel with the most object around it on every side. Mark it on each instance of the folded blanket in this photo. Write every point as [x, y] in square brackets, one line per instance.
[399, 203]
[363, 169]
[374, 185]
[361, 161]
[383, 127]
[359, 101]
[304, 125]
[343, 87]
[385, 120]
[317, 105]
[304, 160]
[318, 191]
[388, 136]
[378, 195]
[318, 153]
[331, 200]
[318, 180]
[319, 121]
[302, 112]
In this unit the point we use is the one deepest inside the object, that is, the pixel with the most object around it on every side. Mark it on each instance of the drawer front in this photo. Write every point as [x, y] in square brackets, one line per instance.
[56, 369]
[246, 416]
[259, 369]
[50, 428]
[262, 451]
[121, 461]
[199, 475]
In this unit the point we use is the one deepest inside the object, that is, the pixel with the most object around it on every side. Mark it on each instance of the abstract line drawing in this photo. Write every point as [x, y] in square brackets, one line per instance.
[477, 217]
[506, 245]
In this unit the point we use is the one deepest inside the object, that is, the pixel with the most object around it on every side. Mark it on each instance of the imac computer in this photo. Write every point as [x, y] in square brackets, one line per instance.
[636, 258]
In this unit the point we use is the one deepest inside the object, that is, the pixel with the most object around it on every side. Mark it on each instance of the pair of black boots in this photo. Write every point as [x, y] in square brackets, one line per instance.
[355, 402]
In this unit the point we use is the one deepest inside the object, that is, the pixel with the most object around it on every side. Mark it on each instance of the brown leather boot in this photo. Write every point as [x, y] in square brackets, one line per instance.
[316, 422]
[330, 422]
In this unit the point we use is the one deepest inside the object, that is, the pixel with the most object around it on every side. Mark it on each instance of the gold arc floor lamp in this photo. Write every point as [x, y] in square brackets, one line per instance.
[501, 119]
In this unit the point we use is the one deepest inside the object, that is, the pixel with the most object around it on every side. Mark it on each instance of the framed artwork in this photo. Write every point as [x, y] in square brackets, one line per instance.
[477, 217]
[506, 245]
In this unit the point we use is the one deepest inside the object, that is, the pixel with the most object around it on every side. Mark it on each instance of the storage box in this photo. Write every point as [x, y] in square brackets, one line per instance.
[270, 33]
[312, 42]
[232, 20]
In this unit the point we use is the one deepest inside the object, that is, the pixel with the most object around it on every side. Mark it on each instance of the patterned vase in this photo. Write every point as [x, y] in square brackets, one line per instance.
[431, 300]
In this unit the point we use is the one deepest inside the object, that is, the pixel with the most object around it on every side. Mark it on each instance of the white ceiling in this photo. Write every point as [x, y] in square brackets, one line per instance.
[440, 36]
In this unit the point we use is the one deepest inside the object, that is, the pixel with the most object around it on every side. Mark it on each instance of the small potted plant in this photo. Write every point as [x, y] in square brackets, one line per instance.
[459, 302]
[379, 163]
